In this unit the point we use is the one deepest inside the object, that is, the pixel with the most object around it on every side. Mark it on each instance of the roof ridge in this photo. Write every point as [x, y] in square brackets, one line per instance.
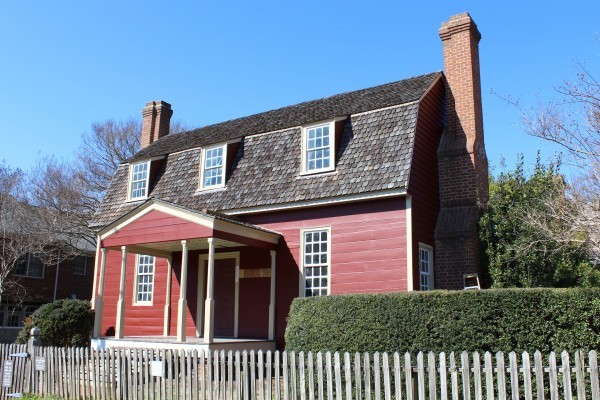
[346, 103]
[314, 100]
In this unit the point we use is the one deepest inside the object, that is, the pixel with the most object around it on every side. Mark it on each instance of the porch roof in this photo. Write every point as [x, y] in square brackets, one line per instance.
[157, 227]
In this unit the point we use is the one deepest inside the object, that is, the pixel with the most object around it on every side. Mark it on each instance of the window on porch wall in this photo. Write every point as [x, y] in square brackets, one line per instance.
[144, 279]
[316, 262]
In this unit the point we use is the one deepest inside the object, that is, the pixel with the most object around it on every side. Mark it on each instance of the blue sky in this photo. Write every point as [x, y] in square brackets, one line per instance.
[66, 64]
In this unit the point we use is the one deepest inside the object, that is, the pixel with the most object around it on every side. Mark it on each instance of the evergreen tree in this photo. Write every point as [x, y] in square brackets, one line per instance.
[519, 254]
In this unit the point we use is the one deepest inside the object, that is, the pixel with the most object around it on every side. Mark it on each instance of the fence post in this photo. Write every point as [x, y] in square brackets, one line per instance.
[33, 342]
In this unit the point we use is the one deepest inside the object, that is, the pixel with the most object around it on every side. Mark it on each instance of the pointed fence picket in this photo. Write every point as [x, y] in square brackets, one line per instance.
[130, 374]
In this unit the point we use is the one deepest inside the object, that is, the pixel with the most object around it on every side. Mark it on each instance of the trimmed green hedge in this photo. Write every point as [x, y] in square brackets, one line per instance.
[486, 320]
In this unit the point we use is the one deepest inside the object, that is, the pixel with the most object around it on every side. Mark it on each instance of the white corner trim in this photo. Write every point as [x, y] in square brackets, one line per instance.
[318, 202]
[409, 245]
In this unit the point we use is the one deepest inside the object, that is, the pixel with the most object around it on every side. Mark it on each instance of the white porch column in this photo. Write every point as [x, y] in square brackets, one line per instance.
[99, 299]
[182, 305]
[209, 305]
[167, 316]
[272, 298]
[121, 302]
[96, 261]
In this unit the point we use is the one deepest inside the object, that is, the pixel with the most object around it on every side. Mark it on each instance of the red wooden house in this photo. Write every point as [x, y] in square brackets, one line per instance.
[206, 237]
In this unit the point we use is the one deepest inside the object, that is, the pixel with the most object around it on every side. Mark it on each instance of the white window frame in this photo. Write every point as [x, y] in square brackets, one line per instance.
[21, 312]
[26, 274]
[146, 182]
[202, 186]
[137, 302]
[302, 283]
[429, 273]
[305, 138]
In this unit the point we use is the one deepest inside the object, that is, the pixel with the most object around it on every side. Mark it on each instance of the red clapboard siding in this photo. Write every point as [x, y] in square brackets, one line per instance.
[368, 249]
[368, 254]
[155, 227]
[423, 184]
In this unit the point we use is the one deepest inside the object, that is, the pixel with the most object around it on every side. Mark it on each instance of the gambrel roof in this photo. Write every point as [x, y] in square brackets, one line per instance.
[374, 154]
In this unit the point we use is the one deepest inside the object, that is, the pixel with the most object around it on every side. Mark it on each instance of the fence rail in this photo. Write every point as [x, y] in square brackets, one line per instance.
[81, 373]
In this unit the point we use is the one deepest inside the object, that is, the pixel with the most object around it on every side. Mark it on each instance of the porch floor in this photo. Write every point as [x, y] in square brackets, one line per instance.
[191, 343]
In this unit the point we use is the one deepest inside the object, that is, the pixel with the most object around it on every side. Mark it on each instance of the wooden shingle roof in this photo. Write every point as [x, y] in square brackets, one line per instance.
[374, 154]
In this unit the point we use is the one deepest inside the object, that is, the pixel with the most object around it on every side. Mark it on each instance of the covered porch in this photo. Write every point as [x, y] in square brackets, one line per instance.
[209, 316]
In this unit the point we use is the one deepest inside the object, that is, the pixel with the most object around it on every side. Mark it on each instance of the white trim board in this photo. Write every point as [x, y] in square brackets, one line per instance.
[319, 202]
[190, 216]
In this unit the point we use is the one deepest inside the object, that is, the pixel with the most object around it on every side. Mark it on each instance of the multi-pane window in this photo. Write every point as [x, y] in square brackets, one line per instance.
[30, 266]
[12, 316]
[139, 180]
[426, 267]
[318, 142]
[316, 262]
[144, 279]
[213, 167]
[79, 265]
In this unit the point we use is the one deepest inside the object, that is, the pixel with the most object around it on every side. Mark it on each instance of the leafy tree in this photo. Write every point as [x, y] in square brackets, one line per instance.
[519, 254]
[62, 323]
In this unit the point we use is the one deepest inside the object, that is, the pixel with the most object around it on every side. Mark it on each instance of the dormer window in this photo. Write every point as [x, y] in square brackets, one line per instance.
[138, 178]
[318, 148]
[213, 167]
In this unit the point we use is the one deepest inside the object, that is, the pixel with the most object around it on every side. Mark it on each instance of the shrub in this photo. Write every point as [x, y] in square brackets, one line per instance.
[62, 323]
[487, 320]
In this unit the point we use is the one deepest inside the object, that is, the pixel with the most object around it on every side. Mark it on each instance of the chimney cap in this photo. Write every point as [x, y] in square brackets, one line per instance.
[158, 103]
[458, 23]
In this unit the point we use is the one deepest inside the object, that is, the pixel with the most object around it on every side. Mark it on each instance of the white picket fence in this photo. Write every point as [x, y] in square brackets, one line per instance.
[80, 373]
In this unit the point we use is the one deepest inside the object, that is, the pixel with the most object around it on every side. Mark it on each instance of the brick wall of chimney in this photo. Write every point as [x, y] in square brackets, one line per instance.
[462, 162]
[156, 119]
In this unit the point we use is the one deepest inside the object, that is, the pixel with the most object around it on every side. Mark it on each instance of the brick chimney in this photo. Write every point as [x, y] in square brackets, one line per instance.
[462, 162]
[156, 117]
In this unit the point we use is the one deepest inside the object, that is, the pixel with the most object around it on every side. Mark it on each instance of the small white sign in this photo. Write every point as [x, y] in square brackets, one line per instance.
[157, 368]
[40, 363]
[7, 373]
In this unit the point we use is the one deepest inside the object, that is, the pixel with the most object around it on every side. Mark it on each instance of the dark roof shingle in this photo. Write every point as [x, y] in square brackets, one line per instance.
[374, 154]
[381, 96]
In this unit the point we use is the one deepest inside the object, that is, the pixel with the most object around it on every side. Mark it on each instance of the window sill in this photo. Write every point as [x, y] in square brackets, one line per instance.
[306, 175]
[136, 200]
[30, 277]
[210, 190]
[150, 304]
